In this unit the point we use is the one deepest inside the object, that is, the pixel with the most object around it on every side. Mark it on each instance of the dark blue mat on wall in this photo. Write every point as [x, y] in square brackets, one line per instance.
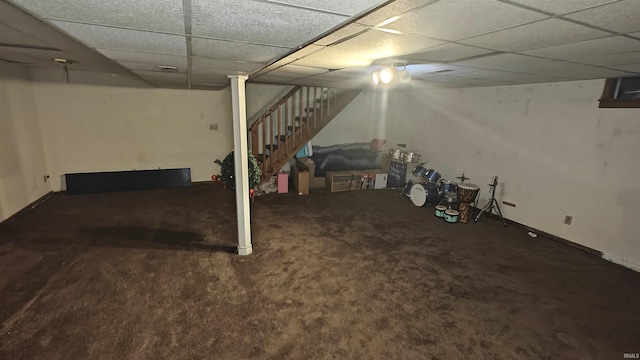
[97, 182]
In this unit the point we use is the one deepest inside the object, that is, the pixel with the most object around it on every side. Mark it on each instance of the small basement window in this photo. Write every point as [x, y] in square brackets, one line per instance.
[621, 93]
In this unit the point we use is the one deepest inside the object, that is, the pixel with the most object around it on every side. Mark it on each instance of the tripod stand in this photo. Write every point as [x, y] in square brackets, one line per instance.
[493, 203]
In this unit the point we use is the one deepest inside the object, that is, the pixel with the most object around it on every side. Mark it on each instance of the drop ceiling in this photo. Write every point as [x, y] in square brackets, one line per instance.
[446, 43]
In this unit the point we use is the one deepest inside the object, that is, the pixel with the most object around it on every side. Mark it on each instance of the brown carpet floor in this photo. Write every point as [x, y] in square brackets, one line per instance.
[359, 275]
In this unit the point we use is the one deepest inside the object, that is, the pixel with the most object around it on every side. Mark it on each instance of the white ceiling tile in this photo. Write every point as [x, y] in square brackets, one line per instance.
[506, 62]
[104, 37]
[588, 49]
[228, 50]
[459, 19]
[561, 6]
[379, 44]
[332, 58]
[506, 76]
[160, 15]
[258, 22]
[297, 71]
[540, 34]
[309, 49]
[635, 68]
[351, 7]
[346, 31]
[615, 59]
[392, 10]
[9, 35]
[422, 84]
[622, 17]
[140, 57]
[147, 66]
[210, 76]
[572, 71]
[441, 78]
[448, 52]
[268, 78]
[225, 65]
[438, 69]
[454, 81]
[163, 79]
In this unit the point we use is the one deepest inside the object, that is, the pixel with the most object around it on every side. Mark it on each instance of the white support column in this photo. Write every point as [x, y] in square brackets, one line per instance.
[241, 162]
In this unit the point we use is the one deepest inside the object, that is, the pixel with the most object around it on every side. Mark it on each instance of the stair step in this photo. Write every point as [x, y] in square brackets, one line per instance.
[297, 118]
[281, 138]
[271, 147]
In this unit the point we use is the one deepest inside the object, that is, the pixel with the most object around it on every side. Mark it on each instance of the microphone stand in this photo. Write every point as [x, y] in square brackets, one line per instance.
[492, 204]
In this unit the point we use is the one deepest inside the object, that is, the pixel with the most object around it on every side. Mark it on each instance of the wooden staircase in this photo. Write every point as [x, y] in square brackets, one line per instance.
[285, 128]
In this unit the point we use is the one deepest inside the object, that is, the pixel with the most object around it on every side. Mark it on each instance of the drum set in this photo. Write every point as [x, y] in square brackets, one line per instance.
[400, 155]
[452, 200]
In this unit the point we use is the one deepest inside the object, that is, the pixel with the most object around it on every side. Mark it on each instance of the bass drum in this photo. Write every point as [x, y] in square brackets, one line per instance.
[424, 194]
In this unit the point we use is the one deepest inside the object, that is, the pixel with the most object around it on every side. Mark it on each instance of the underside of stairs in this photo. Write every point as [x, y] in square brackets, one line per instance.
[290, 123]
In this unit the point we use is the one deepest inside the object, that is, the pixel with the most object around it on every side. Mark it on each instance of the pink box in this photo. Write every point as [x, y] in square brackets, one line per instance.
[283, 183]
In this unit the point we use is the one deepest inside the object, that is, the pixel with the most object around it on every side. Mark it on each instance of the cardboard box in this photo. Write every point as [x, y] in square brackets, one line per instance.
[336, 181]
[381, 181]
[301, 181]
[283, 182]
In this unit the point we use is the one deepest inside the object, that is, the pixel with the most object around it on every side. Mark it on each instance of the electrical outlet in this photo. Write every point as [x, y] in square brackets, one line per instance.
[213, 127]
[568, 219]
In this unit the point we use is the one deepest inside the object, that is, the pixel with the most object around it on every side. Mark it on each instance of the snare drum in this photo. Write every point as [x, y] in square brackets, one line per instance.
[433, 176]
[411, 157]
[424, 194]
[448, 186]
[396, 154]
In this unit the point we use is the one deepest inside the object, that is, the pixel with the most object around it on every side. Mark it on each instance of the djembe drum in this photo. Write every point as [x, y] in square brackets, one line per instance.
[466, 195]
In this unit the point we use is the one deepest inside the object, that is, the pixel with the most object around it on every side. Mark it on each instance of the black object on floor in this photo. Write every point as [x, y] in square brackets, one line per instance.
[83, 183]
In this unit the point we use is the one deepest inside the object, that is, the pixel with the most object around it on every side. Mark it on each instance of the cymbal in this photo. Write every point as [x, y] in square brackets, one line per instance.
[463, 178]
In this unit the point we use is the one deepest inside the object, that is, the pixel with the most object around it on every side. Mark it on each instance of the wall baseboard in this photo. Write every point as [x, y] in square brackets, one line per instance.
[604, 255]
[621, 261]
[28, 208]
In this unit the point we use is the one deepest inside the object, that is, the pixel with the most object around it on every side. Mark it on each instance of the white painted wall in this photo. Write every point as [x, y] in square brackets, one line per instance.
[90, 128]
[361, 121]
[22, 159]
[555, 152]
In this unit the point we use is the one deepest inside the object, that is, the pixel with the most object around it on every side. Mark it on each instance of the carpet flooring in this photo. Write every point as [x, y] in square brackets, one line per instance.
[357, 275]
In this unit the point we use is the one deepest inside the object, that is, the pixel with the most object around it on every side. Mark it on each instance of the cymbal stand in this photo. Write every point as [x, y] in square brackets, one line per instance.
[492, 204]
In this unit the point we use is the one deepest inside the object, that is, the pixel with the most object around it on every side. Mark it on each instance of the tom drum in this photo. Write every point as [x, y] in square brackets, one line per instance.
[433, 176]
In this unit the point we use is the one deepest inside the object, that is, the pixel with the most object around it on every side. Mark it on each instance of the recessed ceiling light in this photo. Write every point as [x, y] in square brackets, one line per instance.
[388, 21]
[168, 68]
[63, 61]
[390, 31]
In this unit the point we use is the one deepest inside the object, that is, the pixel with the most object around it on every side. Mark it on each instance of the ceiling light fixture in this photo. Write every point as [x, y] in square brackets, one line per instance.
[404, 76]
[389, 74]
[386, 75]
